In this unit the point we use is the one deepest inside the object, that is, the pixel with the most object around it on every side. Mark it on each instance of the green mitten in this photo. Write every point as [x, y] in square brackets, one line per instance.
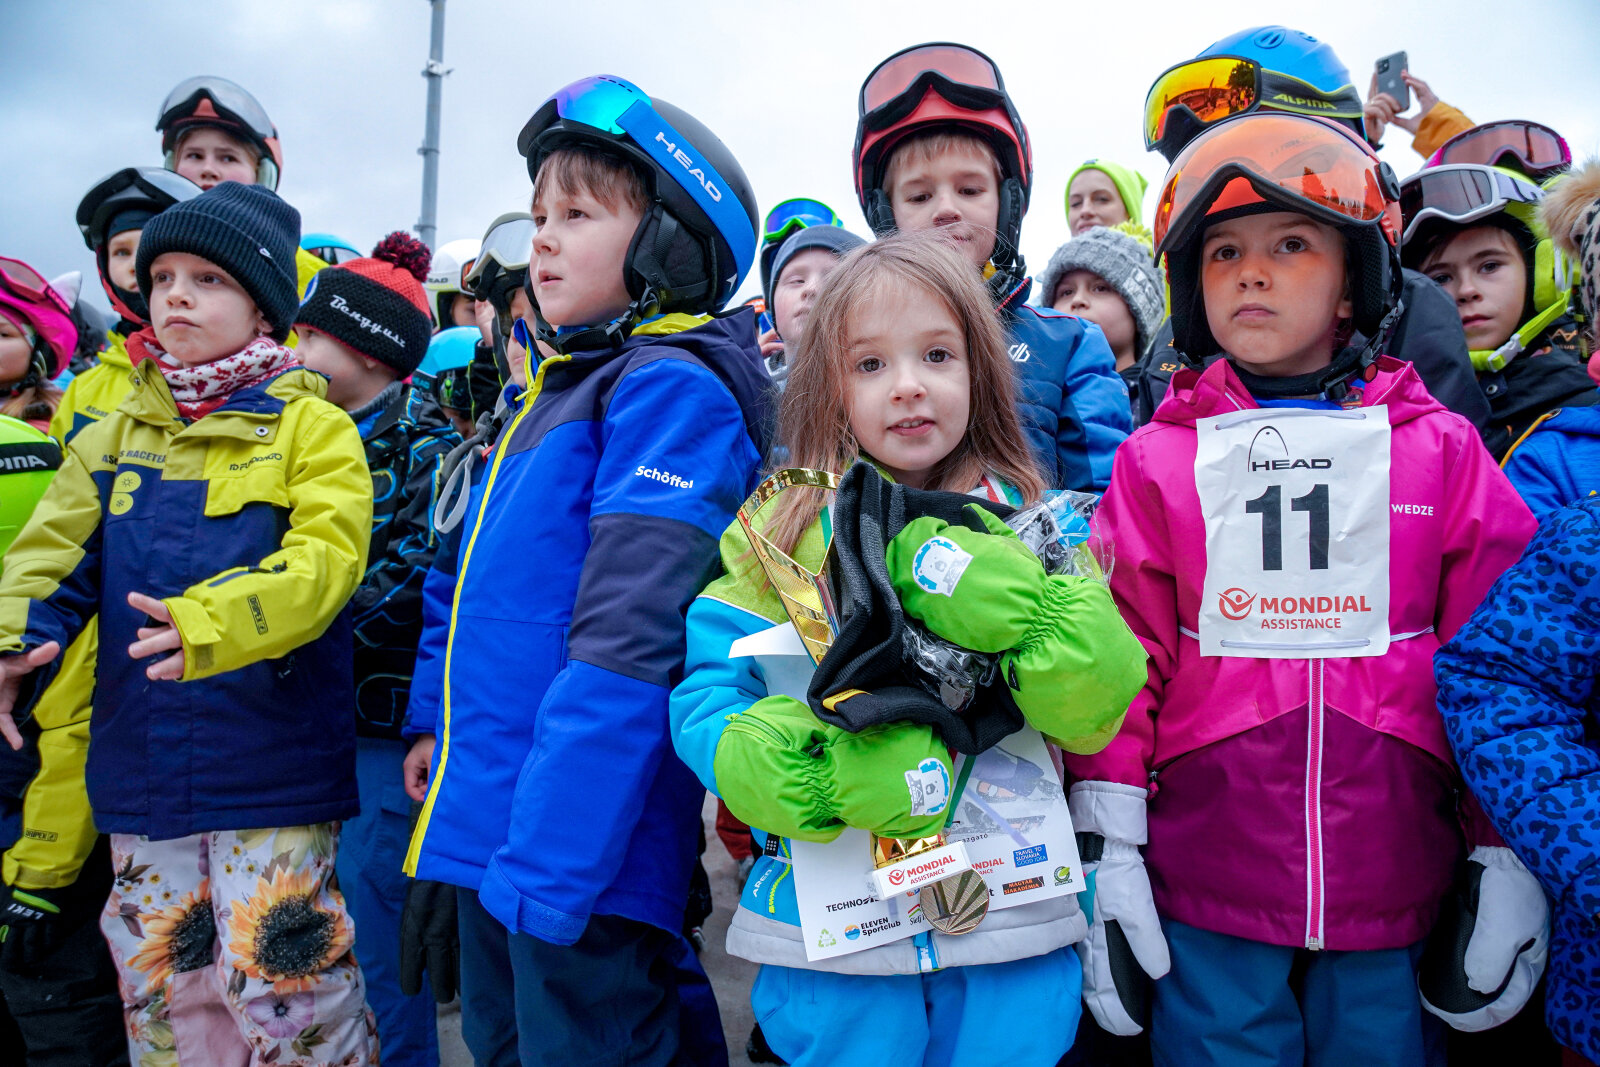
[782, 769]
[981, 591]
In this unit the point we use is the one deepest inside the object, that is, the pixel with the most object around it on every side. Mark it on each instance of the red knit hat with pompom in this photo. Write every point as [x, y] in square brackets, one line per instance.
[376, 306]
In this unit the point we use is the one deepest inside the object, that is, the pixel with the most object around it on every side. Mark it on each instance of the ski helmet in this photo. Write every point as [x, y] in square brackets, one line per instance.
[28, 300]
[941, 84]
[1530, 147]
[1440, 199]
[1263, 68]
[697, 239]
[444, 276]
[28, 461]
[126, 200]
[501, 265]
[208, 100]
[1278, 161]
[444, 370]
[330, 248]
[783, 221]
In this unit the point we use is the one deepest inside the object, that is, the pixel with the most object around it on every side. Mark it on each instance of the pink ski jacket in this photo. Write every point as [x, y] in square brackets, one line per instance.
[1305, 802]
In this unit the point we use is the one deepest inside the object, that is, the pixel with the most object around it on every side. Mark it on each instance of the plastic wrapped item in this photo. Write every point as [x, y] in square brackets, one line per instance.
[950, 672]
[1057, 531]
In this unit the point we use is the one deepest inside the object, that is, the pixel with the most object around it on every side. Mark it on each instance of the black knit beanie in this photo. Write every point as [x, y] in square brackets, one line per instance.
[248, 231]
[376, 306]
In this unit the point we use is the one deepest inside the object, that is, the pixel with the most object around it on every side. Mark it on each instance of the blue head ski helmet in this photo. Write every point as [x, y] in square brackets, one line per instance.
[697, 239]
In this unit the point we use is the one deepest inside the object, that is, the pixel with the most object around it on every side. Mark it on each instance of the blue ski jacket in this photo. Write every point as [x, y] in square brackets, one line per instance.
[555, 791]
[1557, 462]
[1074, 404]
[1517, 686]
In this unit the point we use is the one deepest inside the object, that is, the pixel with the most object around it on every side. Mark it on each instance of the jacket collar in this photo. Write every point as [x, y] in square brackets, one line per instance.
[150, 401]
[1217, 391]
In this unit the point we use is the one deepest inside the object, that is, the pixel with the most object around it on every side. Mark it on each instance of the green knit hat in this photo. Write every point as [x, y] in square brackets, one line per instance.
[1129, 182]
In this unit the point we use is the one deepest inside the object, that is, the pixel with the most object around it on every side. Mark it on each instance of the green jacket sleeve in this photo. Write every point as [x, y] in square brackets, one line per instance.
[254, 613]
[1072, 664]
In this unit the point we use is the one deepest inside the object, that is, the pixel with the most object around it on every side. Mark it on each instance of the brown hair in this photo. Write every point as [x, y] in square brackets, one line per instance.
[929, 144]
[36, 403]
[814, 420]
[610, 178]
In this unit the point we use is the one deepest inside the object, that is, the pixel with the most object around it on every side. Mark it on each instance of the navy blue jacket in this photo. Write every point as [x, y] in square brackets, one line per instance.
[556, 792]
[1074, 405]
[1517, 686]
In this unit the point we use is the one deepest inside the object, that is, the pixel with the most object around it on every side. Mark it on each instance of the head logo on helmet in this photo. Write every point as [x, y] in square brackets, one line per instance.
[689, 165]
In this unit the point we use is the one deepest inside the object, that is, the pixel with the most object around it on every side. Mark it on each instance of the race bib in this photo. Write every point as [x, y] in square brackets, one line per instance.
[1296, 510]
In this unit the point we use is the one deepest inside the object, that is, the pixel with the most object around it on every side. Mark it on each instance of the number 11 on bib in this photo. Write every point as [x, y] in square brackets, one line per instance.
[1296, 510]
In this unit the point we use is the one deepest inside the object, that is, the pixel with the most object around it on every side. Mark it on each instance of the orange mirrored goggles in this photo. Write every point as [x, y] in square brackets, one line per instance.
[1304, 163]
[1213, 88]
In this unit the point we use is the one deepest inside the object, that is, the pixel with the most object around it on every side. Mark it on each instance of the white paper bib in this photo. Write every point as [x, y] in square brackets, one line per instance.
[1296, 510]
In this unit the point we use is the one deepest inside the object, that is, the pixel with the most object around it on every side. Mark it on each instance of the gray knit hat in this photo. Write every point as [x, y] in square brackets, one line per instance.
[1125, 263]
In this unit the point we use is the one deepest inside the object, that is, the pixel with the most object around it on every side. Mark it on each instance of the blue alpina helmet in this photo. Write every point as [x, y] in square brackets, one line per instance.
[697, 239]
[1263, 68]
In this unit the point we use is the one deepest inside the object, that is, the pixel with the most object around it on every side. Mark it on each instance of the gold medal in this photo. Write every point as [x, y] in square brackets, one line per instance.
[955, 905]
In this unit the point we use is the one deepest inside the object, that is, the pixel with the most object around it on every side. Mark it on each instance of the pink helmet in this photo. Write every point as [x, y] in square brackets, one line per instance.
[26, 298]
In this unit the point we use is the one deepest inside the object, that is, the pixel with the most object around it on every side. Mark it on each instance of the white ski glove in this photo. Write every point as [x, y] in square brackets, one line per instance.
[1489, 949]
[1125, 942]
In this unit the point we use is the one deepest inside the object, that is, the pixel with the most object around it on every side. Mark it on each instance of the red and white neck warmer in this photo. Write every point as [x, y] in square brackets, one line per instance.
[200, 389]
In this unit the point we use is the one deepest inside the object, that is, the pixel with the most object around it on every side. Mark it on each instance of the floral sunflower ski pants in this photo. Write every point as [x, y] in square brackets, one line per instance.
[234, 949]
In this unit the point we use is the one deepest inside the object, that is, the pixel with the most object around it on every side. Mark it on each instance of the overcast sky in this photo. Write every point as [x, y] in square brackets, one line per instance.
[776, 80]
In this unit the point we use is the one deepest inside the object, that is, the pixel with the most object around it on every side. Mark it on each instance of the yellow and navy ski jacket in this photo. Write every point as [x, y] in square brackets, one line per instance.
[95, 393]
[556, 792]
[251, 526]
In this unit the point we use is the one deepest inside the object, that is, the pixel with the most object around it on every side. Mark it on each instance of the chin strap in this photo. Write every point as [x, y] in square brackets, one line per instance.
[609, 335]
[1333, 381]
[1495, 360]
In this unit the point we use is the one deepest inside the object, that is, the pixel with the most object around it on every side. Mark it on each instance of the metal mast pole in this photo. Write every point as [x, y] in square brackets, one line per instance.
[427, 225]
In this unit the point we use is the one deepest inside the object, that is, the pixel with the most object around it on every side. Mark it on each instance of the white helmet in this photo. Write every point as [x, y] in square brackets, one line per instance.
[444, 275]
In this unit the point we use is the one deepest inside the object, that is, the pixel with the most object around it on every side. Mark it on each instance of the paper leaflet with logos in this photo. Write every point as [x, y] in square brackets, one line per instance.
[1296, 509]
[1012, 823]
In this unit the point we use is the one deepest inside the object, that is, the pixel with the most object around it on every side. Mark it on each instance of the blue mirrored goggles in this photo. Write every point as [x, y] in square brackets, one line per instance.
[600, 101]
[797, 214]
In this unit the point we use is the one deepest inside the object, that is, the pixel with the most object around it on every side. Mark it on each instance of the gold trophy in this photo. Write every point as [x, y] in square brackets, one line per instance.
[953, 905]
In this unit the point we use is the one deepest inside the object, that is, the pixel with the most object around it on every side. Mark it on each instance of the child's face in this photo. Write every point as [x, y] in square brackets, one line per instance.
[1483, 271]
[1274, 287]
[796, 290]
[15, 352]
[199, 312]
[1093, 200]
[210, 157]
[909, 383]
[462, 311]
[578, 252]
[1089, 296]
[120, 253]
[957, 192]
[352, 377]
